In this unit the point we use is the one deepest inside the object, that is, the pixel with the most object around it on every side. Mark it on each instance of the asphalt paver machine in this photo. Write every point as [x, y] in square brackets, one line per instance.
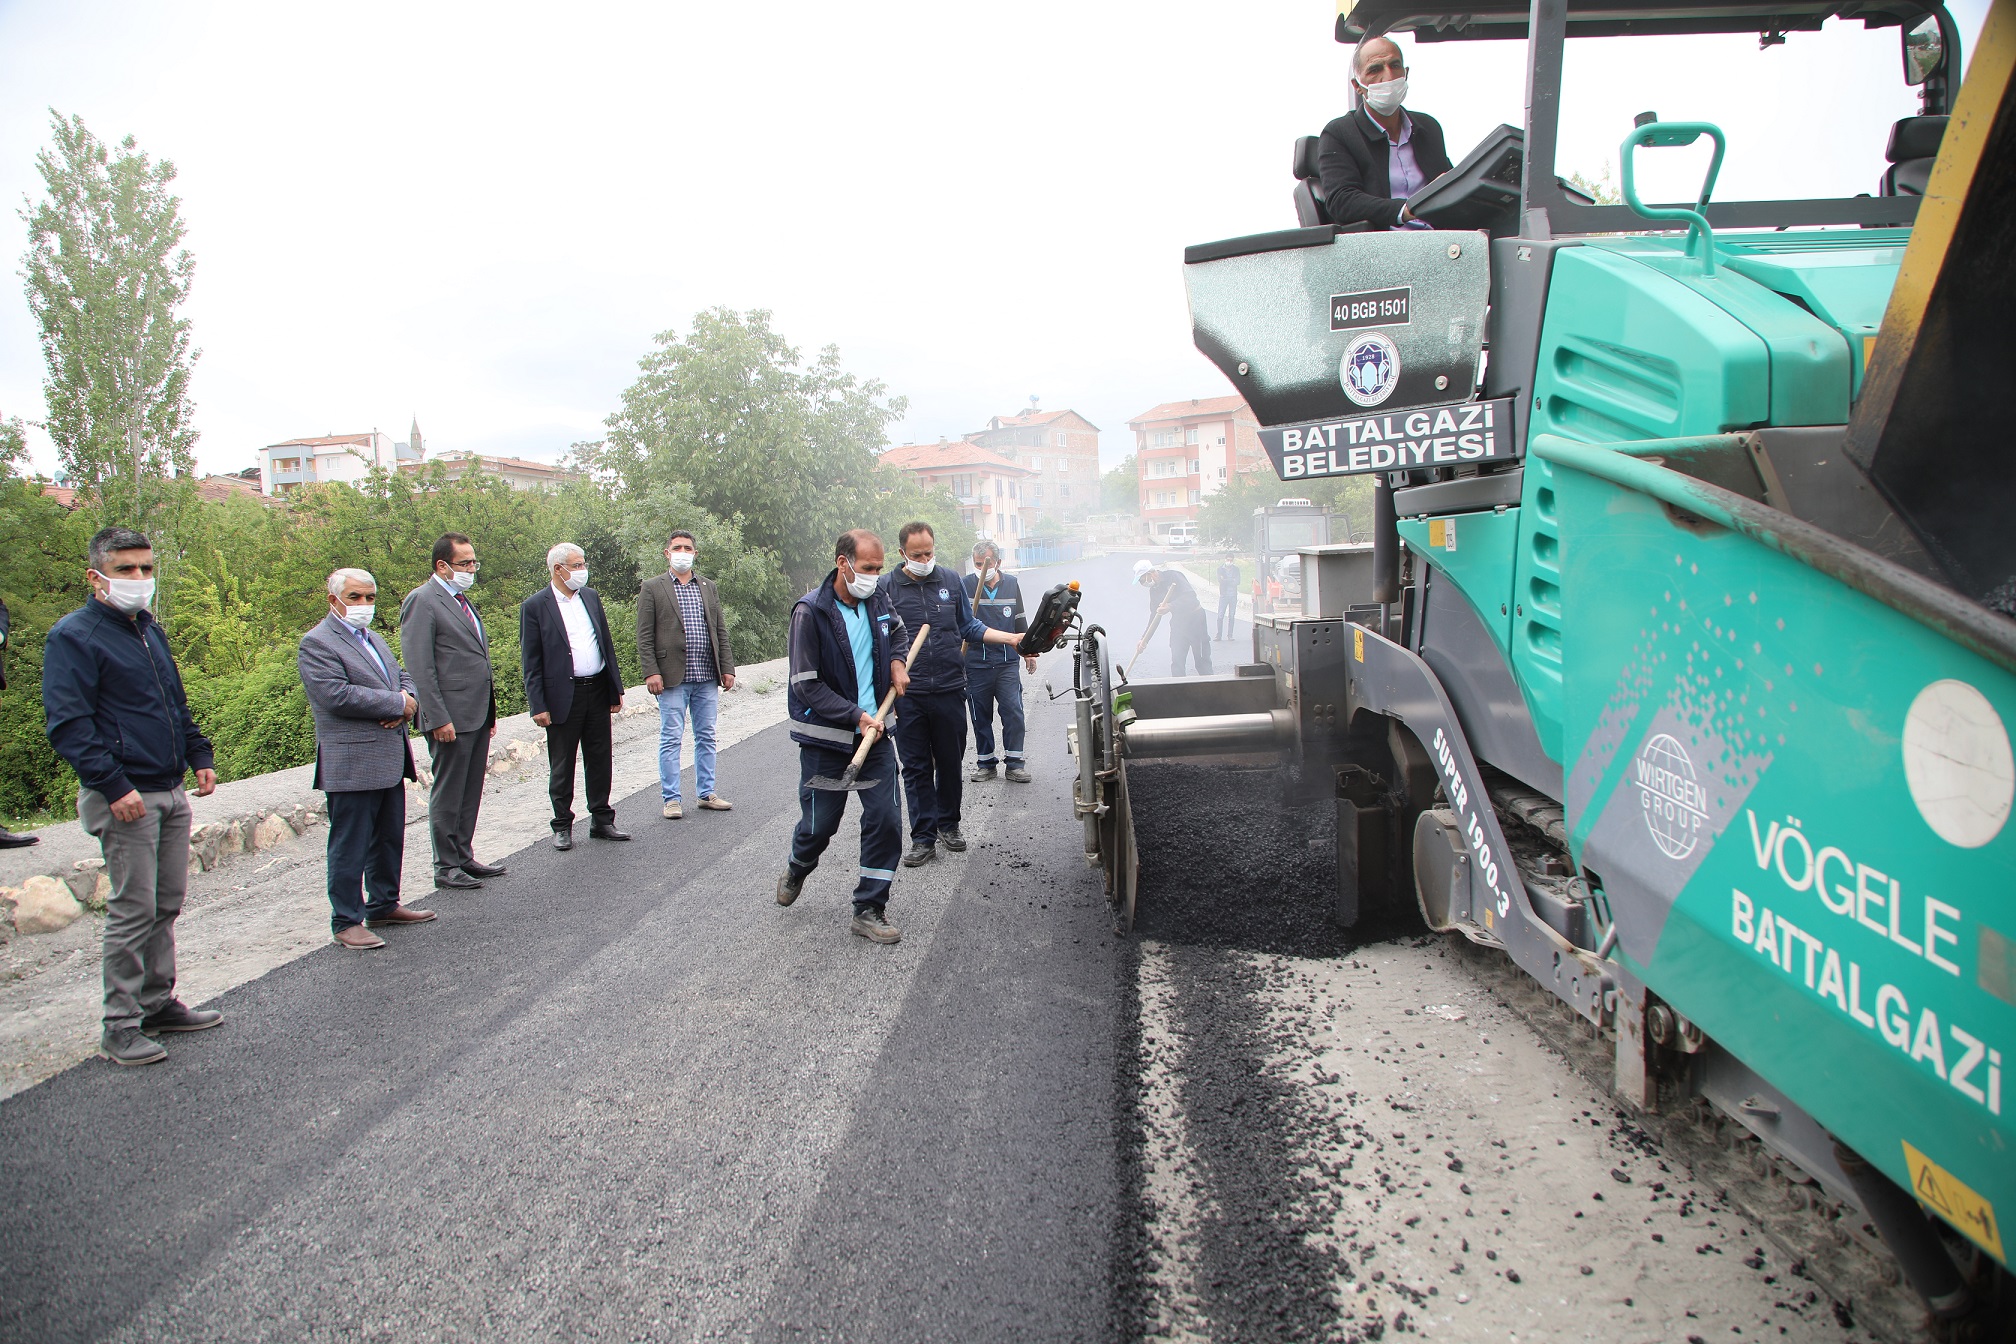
[1681, 665]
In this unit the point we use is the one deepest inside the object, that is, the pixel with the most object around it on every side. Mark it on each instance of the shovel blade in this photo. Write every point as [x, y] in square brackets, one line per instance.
[847, 783]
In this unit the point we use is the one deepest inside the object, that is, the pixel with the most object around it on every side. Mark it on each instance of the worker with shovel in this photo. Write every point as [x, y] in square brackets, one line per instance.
[1170, 595]
[850, 655]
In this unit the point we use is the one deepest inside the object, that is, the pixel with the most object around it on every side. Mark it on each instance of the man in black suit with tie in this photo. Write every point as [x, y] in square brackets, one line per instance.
[573, 689]
[1376, 156]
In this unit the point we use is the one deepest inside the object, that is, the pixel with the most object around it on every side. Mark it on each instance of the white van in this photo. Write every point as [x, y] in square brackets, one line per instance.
[1181, 536]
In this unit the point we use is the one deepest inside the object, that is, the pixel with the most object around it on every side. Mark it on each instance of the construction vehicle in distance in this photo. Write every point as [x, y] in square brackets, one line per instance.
[1680, 667]
[1281, 532]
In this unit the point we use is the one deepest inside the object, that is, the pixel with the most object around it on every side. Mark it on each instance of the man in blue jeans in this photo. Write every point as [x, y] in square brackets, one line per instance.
[993, 679]
[683, 644]
[849, 650]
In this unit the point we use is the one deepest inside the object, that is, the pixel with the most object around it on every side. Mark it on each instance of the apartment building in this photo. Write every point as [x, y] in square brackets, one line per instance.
[1187, 450]
[334, 457]
[987, 486]
[520, 473]
[1060, 452]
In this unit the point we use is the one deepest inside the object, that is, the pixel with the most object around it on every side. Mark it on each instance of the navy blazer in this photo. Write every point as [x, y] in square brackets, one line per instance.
[549, 657]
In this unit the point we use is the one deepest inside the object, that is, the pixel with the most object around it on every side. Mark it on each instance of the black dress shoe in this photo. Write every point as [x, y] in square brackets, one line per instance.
[9, 840]
[564, 839]
[607, 833]
[475, 869]
[455, 880]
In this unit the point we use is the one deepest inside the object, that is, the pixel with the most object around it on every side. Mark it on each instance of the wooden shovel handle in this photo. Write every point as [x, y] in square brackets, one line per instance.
[868, 739]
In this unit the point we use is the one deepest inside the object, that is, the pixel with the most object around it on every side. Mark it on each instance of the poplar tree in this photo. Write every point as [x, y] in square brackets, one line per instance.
[106, 278]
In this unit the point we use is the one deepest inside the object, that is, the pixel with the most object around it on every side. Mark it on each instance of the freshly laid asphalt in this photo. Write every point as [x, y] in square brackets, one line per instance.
[621, 1094]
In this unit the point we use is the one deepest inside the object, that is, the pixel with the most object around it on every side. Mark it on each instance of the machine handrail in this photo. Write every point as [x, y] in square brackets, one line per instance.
[1668, 134]
[1930, 604]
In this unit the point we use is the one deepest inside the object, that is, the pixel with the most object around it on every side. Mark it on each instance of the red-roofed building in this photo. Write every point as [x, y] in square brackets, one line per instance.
[213, 489]
[987, 486]
[1185, 450]
[1059, 450]
[520, 473]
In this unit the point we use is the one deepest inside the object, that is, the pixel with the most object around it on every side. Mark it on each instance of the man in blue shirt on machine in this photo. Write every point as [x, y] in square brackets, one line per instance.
[992, 678]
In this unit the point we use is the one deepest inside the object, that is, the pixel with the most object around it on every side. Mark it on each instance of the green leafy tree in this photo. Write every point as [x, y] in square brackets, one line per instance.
[734, 411]
[106, 277]
[41, 579]
[1602, 188]
[1120, 488]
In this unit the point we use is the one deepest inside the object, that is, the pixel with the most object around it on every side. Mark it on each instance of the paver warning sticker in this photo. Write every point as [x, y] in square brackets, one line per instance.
[1955, 1201]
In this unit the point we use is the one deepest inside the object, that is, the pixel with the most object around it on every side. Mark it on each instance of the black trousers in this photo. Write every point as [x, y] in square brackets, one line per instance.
[1189, 635]
[584, 733]
[367, 844]
[931, 740]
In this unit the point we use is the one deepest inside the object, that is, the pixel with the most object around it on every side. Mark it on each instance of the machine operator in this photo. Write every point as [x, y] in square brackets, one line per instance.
[1374, 157]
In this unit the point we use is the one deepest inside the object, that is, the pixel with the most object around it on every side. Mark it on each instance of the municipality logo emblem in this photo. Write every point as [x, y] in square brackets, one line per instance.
[1675, 804]
[1370, 368]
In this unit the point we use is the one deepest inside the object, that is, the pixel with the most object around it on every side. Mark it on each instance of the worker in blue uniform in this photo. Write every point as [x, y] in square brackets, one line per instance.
[994, 673]
[931, 737]
[848, 650]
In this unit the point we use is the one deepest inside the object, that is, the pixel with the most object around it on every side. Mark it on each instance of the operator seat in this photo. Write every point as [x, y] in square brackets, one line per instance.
[1310, 208]
[1914, 144]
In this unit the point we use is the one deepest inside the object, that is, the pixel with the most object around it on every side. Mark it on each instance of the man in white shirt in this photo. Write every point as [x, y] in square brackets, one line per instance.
[573, 688]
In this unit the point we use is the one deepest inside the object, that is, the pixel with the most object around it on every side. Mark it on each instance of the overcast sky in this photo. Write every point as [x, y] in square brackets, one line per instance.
[481, 214]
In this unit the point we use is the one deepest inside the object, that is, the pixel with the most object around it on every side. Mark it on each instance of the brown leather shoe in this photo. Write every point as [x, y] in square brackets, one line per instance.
[359, 938]
[400, 914]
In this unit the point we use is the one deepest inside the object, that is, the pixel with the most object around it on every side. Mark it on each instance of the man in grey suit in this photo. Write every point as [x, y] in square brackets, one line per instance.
[362, 699]
[448, 654]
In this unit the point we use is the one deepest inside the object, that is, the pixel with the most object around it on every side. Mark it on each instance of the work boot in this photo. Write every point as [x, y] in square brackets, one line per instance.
[981, 774]
[953, 840]
[176, 1016]
[788, 887]
[921, 852]
[1017, 775]
[872, 924]
[130, 1046]
[672, 810]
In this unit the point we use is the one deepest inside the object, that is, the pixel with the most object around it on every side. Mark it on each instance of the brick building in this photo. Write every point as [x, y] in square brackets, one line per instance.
[1185, 450]
[1060, 452]
[987, 486]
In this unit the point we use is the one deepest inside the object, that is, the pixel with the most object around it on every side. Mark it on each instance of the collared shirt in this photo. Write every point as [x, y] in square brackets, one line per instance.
[580, 634]
[693, 615]
[861, 639]
[1403, 174]
[463, 603]
[364, 638]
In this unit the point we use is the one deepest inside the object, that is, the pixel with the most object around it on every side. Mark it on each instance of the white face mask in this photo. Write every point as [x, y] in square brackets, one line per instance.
[1385, 99]
[681, 561]
[862, 586]
[128, 595]
[359, 616]
[577, 579]
[990, 576]
[462, 579]
[920, 568]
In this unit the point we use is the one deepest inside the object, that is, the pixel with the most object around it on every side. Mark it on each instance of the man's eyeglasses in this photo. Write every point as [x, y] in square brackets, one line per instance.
[466, 566]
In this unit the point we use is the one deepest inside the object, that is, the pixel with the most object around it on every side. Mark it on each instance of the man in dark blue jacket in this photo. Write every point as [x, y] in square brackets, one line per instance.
[117, 713]
[848, 650]
[931, 739]
[992, 677]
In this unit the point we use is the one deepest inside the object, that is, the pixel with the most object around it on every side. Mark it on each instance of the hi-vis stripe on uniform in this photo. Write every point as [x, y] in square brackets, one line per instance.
[879, 874]
[797, 677]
